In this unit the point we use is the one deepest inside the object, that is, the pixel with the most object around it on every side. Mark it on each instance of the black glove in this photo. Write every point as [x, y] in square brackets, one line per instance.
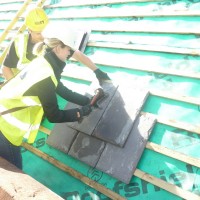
[101, 76]
[85, 110]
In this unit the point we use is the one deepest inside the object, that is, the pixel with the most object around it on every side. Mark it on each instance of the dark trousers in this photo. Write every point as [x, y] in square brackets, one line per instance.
[10, 152]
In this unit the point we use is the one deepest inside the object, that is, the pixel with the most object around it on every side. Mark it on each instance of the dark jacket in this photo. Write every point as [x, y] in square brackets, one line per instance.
[47, 92]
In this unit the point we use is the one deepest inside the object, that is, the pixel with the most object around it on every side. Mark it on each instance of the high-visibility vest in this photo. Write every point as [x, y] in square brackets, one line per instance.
[21, 43]
[26, 118]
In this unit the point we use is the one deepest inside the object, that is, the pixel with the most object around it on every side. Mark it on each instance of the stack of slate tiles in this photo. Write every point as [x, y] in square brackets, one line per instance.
[113, 137]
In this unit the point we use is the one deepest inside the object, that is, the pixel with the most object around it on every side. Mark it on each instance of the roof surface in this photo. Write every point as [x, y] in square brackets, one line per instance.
[153, 44]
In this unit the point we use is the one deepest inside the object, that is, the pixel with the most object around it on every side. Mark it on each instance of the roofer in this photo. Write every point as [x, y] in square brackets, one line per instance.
[32, 92]
[21, 50]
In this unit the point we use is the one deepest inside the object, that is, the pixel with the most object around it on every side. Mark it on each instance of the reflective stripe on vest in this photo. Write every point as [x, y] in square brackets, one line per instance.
[16, 125]
[19, 128]
[21, 43]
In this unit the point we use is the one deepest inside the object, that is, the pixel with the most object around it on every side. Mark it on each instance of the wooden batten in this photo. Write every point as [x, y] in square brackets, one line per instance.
[109, 193]
[71, 3]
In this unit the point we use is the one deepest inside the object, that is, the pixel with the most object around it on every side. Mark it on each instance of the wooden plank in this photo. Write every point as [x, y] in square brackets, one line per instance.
[109, 193]
[155, 29]
[10, 1]
[111, 63]
[70, 3]
[45, 130]
[166, 186]
[169, 152]
[178, 124]
[173, 154]
[181, 125]
[149, 68]
[115, 13]
[147, 47]
[135, 27]
[93, 184]
[14, 8]
[170, 95]
[15, 19]
[113, 43]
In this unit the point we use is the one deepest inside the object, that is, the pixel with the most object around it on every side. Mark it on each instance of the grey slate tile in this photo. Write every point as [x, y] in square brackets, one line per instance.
[87, 149]
[117, 120]
[121, 162]
[89, 123]
[61, 137]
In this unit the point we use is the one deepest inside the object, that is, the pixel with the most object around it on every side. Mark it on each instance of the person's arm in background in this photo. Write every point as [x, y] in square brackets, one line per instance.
[46, 92]
[10, 62]
[7, 72]
[85, 60]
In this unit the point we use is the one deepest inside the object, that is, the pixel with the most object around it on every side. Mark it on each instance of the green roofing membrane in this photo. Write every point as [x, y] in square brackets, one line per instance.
[175, 74]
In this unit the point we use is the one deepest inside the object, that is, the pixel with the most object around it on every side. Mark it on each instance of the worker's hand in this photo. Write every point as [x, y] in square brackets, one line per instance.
[101, 76]
[85, 110]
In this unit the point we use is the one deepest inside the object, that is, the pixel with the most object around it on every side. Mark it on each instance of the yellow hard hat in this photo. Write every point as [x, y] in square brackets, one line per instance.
[36, 19]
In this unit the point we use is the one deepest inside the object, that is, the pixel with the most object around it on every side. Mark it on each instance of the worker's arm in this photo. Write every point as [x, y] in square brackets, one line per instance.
[82, 58]
[45, 90]
[7, 72]
[71, 96]
[10, 62]
[85, 60]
